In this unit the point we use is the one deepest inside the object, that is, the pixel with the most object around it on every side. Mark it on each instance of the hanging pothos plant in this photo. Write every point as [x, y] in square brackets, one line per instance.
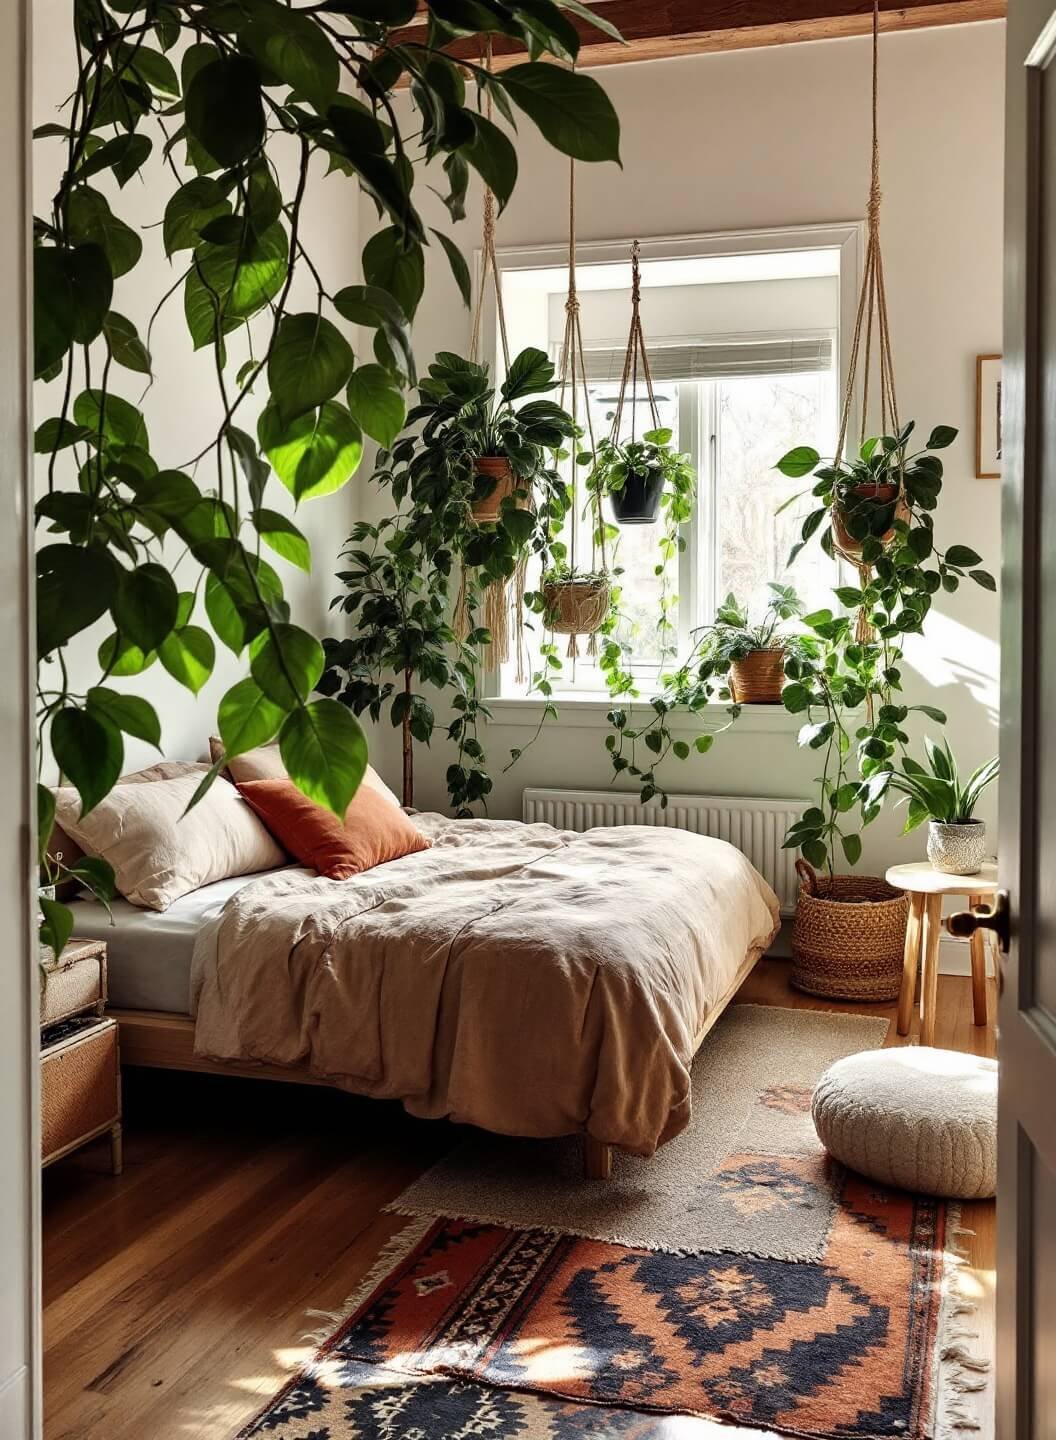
[879, 508]
[399, 590]
[205, 94]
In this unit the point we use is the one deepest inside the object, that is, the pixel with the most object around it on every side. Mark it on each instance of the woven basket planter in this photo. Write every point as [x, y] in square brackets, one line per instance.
[759, 678]
[843, 541]
[498, 469]
[576, 607]
[848, 937]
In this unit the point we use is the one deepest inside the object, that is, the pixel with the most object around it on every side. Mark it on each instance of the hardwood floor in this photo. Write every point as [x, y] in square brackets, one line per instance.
[176, 1296]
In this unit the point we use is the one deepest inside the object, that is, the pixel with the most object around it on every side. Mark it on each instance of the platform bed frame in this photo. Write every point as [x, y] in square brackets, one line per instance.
[159, 1040]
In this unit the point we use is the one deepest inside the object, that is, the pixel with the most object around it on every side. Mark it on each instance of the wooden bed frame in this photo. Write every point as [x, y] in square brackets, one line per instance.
[158, 1040]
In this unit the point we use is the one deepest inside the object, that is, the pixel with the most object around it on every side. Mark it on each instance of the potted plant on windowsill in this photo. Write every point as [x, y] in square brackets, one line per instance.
[640, 476]
[754, 655]
[474, 439]
[956, 839]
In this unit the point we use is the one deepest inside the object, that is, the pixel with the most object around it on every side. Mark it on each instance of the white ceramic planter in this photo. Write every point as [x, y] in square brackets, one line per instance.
[957, 849]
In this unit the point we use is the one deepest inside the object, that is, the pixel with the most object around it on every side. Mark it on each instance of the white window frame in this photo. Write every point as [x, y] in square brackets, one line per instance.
[846, 237]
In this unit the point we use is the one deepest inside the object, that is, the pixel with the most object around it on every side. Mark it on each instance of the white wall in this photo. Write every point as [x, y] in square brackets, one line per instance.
[182, 408]
[779, 137]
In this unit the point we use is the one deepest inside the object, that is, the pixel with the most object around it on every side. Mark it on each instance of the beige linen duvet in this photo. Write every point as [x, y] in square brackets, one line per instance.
[529, 980]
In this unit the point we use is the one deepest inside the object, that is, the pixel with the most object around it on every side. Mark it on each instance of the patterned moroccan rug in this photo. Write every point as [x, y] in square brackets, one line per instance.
[476, 1330]
[776, 1291]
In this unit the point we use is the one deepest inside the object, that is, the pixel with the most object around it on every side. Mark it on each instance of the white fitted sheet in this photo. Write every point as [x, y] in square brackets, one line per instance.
[149, 952]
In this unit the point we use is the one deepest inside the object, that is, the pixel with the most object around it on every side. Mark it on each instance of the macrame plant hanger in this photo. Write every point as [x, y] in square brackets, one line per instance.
[573, 381]
[637, 356]
[870, 320]
[496, 617]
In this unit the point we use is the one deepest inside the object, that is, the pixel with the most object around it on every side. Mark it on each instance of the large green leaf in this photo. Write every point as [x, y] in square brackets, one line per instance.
[189, 655]
[190, 210]
[371, 306]
[396, 267]
[325, 753]
[152, 68]
[376, 405]
[459, 268]
[145, 604]
[224, 109]
[88, 751]
[53, 308]
[282, 536]
[293, 47]
[492, 155]
[130, 713]
[317, 453]
[240, 278]
[247, 718]
[310, 362]
[75, 584]
[92, 285]
[119, 422]
[91, 221]
[572, 110]
[57, 925]
[530, 373]
[119, 656]
[287, 663]
[124, 154]
[125, 345]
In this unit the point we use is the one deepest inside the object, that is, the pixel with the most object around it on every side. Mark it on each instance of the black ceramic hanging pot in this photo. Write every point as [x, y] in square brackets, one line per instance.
[638, 503]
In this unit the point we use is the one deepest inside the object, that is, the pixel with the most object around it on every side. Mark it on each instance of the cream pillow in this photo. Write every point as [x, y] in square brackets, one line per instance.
[159, 853]
[265, 763]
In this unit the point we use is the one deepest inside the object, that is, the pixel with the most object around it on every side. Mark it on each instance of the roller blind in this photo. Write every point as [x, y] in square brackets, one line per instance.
[721, 359]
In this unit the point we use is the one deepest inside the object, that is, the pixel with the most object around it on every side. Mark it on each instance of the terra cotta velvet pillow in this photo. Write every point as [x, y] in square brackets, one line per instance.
[373, 832]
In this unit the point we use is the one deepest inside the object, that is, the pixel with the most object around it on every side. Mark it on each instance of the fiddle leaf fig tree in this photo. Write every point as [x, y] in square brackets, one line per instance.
[174, 553]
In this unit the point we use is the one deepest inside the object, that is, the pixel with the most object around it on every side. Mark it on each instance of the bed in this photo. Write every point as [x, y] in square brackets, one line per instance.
[527, 980]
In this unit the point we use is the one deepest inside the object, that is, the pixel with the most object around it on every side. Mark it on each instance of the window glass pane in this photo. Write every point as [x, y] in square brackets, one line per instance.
[758, 420]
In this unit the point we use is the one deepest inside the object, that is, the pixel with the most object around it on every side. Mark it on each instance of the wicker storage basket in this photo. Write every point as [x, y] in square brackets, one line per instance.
[576, 607]
[849, 936]
[758, 678]
[498, 469]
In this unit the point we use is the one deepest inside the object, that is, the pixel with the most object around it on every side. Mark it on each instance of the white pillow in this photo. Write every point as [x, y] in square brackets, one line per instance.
[159, 853]
[265, 763]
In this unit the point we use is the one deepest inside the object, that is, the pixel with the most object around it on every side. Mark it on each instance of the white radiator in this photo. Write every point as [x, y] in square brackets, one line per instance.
[756, 827]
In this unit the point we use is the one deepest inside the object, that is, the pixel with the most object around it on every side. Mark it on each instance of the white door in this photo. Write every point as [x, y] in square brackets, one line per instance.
[19, 1131]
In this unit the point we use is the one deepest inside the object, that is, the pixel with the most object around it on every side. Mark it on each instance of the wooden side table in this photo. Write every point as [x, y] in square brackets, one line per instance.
[926, 888]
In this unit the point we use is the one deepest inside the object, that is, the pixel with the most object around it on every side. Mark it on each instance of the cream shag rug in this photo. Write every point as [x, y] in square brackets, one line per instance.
[743, 1176]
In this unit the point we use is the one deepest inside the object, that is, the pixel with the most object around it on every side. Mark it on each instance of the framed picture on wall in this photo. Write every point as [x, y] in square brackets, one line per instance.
[988, 417]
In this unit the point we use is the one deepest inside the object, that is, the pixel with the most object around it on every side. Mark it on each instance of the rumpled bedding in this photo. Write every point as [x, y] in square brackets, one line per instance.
[528, 980]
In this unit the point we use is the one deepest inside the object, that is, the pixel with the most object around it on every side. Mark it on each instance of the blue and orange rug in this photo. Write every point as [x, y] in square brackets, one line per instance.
[481, 1331]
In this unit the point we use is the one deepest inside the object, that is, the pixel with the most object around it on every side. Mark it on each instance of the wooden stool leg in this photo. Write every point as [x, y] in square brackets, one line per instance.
[977, 944]
[116, 1150]
[910, 961]
[929, 990]
[597, 1159]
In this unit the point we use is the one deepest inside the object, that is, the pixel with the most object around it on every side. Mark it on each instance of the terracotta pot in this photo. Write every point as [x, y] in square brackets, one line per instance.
[638, 503]
[843, 540]
[576, 607]
[759, 678]
[497, 469]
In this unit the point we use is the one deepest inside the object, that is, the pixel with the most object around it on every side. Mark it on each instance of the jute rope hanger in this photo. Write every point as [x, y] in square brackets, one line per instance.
[636, 354]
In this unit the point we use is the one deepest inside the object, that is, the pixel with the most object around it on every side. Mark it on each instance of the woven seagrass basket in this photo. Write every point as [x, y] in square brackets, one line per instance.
[576, 607]
[849, 936]
[759, 678]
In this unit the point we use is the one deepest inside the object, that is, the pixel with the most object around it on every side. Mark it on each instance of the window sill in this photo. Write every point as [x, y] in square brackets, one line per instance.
[583, 712]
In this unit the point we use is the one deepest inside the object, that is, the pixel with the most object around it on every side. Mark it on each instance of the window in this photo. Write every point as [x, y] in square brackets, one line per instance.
[756, 374]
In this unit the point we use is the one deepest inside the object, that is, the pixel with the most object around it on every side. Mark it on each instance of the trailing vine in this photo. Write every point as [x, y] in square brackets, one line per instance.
[209, 94]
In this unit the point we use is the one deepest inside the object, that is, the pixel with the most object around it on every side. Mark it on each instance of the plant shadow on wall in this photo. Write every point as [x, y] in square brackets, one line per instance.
[212, 95]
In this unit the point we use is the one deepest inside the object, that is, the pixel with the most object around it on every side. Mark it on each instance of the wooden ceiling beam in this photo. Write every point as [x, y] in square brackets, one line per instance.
[660, 29]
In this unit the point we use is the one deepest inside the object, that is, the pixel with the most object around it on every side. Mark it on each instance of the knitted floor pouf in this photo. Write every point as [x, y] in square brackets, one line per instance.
[916, 1117]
